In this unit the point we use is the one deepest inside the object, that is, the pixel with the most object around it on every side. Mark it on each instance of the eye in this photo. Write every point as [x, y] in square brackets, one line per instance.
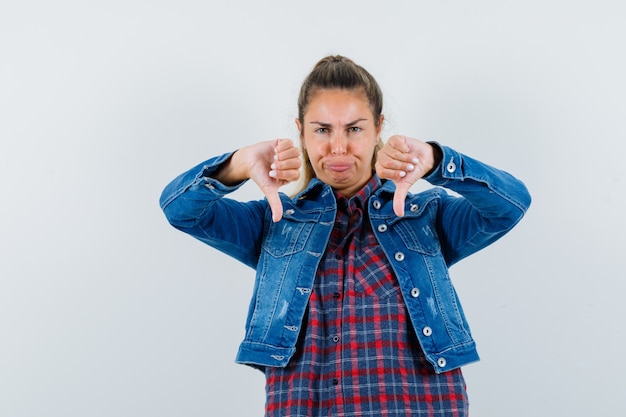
[354, 129]
[321, 130]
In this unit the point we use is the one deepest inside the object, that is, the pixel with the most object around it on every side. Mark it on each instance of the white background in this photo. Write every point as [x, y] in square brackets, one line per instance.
[105, 310]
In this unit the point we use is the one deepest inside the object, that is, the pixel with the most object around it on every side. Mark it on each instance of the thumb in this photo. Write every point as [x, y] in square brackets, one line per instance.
[402, 189]
[275, 205]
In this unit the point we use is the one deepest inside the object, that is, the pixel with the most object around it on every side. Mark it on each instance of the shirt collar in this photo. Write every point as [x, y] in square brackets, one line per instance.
[359, 200]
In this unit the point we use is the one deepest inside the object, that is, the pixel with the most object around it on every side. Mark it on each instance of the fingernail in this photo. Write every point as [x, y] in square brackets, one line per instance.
[410, 167]
[402, 174]
[273, 166]
[272, 174]
[415, 161]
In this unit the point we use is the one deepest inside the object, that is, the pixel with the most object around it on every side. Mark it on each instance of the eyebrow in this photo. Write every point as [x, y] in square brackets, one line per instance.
[322, 124]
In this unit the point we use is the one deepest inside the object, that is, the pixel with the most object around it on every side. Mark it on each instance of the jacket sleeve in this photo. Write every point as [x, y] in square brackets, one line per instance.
[491, 202]
[195, 203]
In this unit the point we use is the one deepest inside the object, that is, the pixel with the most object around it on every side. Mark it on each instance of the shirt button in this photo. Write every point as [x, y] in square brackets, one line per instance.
[336, 295]
[415, 292]
[382, 228]
[335, 381]
[427, 331]
[376, 204]
[441, 362]
[335, 339]
[399, 256]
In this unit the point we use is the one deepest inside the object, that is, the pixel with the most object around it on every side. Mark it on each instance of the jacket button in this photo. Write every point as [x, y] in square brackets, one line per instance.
[290, 211]
[399, 256]
[451, 166]
[441, 362]
[414, 207]
[427, 331]
[382, 228]
[415, 292]
[376, 204]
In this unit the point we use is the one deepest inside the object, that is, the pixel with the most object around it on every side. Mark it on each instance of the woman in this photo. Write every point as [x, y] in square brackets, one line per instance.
[353, 311]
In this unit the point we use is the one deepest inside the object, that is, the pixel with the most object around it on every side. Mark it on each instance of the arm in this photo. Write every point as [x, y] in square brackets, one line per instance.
[492, 201]
[194, 201]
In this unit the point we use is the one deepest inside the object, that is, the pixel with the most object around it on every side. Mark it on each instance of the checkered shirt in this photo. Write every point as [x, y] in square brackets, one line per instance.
[357, 354]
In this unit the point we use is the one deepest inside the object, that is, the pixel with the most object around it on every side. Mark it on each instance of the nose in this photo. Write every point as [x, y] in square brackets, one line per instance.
[338, 144]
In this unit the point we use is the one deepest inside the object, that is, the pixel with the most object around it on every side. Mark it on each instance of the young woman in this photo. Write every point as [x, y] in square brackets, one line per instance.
[353, 311]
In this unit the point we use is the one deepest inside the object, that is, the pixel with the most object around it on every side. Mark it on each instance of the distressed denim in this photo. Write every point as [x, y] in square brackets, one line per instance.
[437, 230]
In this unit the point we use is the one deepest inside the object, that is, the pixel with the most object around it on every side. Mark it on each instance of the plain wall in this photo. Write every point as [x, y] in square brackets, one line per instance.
[105, 310]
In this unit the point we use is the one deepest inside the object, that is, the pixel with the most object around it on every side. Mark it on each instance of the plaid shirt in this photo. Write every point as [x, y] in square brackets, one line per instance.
[358, 354]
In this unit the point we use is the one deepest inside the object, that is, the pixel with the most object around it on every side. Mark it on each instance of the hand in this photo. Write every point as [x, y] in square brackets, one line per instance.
[404, 161]
[271, 165]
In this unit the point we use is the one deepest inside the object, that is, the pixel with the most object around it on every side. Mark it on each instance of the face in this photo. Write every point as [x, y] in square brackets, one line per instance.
[339, 134]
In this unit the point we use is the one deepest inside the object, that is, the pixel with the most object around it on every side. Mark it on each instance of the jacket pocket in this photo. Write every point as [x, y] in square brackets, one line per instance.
[418, 235]
[287, 237]
[417, 228]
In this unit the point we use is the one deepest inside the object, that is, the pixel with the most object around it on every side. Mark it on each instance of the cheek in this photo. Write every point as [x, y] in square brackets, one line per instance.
[315, 150]
[367, 148]
[308, 154]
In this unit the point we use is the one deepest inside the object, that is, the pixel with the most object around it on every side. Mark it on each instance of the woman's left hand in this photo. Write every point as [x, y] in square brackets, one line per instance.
[404, 160]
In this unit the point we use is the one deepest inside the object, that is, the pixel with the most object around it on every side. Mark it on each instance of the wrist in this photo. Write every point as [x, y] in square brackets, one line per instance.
[231, 171]
[437, 157]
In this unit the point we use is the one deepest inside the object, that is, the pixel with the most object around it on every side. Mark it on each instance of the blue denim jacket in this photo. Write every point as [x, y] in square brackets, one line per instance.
[436, 231]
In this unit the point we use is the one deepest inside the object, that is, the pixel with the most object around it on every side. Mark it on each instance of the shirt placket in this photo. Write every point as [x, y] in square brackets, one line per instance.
[349, 223]
[335, 332]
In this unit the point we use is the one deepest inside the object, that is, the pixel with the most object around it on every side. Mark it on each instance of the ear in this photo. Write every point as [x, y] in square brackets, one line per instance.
[299, 126]
[379, 128]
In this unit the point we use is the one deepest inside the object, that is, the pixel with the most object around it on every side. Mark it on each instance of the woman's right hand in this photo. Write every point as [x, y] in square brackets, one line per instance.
[270, 164]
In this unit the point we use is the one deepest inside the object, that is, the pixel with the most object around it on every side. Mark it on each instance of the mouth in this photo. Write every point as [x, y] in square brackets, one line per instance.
[338, 167]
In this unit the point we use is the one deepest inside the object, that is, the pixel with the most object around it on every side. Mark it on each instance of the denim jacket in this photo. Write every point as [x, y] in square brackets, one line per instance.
[437, 230]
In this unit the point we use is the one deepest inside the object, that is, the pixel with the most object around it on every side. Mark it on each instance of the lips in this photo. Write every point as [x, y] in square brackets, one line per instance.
[338, 167]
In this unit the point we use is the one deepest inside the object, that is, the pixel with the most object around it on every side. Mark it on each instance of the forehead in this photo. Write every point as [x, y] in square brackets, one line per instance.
[338, 104]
